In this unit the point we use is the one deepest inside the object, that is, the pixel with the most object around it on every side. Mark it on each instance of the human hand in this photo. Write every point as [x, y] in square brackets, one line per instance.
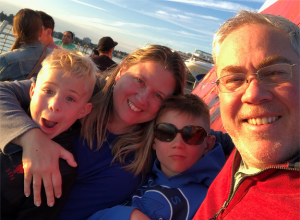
[41, 163]
[138, 215]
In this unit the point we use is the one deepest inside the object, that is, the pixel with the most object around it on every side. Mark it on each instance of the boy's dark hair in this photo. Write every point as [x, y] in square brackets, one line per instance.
[188, 104]
[47, 20]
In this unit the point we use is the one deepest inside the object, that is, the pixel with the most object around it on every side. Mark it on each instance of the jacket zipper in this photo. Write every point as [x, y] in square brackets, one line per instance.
[231, 193]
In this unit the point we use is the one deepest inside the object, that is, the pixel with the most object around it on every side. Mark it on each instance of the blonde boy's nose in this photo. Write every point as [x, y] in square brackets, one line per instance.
[55, 105]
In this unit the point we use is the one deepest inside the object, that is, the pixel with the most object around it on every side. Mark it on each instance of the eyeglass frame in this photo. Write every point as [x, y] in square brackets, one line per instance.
[257, 76]
[180, 131]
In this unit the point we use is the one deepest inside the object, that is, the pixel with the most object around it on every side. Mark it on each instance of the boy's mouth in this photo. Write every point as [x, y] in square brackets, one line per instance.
[48, 124]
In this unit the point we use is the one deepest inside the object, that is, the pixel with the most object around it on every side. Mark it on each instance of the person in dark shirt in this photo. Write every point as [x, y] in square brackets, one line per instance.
[106, 47]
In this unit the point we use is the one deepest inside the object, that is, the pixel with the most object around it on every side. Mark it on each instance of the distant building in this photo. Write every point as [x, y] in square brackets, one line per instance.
[86, 40]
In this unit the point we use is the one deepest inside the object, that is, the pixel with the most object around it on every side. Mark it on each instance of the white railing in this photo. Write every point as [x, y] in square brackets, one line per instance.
[6, 36]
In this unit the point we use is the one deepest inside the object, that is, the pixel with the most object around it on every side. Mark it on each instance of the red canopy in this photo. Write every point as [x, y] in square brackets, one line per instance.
[208, 92]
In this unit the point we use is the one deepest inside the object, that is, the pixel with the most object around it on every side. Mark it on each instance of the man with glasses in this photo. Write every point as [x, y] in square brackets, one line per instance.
[257, 66]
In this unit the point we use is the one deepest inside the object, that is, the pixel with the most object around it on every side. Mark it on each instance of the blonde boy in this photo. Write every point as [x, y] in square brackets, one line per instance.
[59, 96]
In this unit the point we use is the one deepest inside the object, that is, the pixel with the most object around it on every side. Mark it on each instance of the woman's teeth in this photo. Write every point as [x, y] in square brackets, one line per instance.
[131, 105]
[262, 121]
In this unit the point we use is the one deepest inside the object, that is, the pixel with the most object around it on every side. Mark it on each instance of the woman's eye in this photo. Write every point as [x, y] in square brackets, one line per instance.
[70, 99]
[158, 96]
[47, 91]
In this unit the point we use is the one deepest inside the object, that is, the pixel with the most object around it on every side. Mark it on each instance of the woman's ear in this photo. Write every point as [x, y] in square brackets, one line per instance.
[120, 73]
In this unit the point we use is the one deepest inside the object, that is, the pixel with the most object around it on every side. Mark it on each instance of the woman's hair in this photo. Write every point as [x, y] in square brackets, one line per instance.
[138, 141]
[248, 18]
[27, 26]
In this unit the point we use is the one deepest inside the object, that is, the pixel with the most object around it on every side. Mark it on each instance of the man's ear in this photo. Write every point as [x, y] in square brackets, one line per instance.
[210, 143]
[49, 32]
[85, 110]
[41, 32]
[31, 92]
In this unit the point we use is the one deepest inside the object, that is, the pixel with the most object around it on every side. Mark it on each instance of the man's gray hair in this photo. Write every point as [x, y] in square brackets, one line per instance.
[246, 17]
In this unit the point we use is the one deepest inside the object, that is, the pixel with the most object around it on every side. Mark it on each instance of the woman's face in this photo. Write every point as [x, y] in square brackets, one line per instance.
[139, 91]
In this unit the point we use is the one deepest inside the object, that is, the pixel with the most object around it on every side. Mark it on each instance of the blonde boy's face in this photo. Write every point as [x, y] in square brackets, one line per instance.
[57, 102]
[177, 156]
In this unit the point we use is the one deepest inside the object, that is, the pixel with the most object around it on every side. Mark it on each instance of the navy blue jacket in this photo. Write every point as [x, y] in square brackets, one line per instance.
[177, 197]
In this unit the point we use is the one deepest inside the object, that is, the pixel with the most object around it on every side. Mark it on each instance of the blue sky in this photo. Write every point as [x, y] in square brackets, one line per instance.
[179, 24]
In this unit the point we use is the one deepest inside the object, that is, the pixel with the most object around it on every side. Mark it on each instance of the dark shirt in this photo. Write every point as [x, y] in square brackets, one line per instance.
[103, 62]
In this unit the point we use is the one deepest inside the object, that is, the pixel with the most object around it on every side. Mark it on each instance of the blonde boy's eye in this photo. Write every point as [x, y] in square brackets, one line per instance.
[139, 80]
[47, 91]
[70, 99]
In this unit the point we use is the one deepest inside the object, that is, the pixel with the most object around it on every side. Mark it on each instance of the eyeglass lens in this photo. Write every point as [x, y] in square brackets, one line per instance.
[274, 74]
[193, 135]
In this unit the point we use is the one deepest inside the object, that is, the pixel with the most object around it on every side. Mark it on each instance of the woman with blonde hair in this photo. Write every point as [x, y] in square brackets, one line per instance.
[26, 50]
[114, 150]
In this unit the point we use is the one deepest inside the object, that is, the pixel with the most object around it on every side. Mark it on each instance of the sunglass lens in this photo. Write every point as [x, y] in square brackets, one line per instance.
[165, 132]
[194, 135]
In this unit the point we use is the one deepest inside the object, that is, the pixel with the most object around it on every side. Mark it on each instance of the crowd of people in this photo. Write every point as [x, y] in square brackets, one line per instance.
[132, 145]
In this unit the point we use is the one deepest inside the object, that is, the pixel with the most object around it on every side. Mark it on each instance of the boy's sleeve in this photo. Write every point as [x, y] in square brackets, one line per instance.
[225, 140]
[118, 212]
[14, 98]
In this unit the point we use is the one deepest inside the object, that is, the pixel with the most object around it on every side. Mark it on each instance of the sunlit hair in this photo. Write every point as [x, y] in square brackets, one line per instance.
[188, 104]
[72, 63]
[248, 18]
[27, 25]
[47, 20]
[139, 140]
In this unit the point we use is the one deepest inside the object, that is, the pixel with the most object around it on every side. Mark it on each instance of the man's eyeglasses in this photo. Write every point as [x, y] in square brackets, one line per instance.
[192, 135]
[270, 75]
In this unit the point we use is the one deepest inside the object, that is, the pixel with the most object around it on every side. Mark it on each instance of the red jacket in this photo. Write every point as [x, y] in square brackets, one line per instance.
[272, 194]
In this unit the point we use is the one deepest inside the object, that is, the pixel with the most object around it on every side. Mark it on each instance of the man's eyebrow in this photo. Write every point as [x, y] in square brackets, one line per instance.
[233, 69]
[272, 60]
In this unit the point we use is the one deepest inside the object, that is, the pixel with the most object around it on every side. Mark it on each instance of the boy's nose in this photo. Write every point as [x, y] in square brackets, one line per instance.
[178, 141]
[55, 105]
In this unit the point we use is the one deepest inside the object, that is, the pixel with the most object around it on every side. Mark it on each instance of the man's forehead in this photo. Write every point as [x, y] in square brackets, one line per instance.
[258, 45]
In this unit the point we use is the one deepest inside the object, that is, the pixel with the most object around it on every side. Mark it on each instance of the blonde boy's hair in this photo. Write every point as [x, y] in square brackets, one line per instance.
[72, 63]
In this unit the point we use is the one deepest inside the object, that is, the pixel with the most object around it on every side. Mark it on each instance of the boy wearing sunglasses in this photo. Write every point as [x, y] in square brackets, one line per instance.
[188, 160]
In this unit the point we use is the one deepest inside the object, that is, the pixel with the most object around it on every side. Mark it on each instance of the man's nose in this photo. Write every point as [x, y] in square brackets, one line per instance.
[256, 92]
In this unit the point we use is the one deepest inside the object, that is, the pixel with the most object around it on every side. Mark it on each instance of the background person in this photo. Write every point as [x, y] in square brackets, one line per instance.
[66, 41]
[59, 97]
[106, 47]
[117, 130]
[256, 58]
[187, 162]
[95, 53]
[26, 50]
[47, 30]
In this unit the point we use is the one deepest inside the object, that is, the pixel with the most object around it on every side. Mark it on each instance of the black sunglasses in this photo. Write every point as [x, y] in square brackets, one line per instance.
[193, 135]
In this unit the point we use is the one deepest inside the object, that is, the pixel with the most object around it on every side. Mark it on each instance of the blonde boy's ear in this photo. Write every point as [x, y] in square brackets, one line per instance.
[32, 90]
[85, 110]
[210, 143]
